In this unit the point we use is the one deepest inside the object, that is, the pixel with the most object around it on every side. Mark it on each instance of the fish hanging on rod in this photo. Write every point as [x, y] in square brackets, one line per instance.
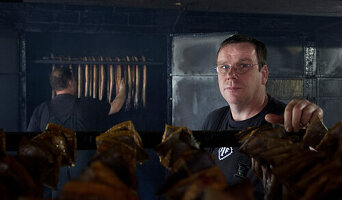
[90, 79]
[86, 73]
[137, 81]
[79, 81]
[133, 79]
[117, 76]
[144, 82]
[95, 77]
[101, 79]
[129, 82]
[110, 81]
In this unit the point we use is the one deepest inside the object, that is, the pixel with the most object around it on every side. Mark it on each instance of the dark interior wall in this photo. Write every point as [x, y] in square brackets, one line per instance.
[46, 27]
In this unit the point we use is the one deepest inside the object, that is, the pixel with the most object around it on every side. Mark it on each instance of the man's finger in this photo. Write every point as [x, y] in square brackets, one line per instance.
[298, 112]
[275, 119]
[288, 115]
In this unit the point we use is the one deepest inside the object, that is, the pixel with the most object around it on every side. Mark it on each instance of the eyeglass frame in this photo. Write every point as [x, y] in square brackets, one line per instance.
[249, 66]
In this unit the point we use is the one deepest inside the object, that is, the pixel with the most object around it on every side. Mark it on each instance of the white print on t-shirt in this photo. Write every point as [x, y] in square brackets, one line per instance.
[224, 152]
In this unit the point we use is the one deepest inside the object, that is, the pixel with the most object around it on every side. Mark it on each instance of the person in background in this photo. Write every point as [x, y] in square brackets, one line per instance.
[78, 114]
[242, 77]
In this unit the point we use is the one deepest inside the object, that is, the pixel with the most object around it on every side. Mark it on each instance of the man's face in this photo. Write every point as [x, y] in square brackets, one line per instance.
[241, 89]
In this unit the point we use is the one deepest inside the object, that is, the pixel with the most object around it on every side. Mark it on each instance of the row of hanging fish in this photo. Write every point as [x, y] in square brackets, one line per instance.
[292, 167]
[102, 81]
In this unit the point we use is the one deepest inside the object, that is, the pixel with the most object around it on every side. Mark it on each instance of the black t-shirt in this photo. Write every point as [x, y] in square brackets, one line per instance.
[85, 114]
[236, 166]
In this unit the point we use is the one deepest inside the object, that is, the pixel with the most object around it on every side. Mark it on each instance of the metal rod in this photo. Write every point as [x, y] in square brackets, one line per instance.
[82, 62]
[86, 140]
[150, 139]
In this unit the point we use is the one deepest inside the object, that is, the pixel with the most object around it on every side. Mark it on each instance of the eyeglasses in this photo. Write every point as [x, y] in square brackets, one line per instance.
[239, 68]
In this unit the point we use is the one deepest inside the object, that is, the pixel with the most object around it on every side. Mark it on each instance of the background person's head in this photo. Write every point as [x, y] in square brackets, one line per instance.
[62, 78]
[259, 46]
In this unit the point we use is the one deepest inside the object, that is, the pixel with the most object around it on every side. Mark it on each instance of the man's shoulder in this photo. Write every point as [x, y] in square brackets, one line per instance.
[41, 107]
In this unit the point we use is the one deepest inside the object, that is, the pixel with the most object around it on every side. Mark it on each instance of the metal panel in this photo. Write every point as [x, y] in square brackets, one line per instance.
[330, 87]
[329, 61]
[332, 111]
[285, 60]
[285, 88]
[194, 81]
[284, 56]
[195, 54]
[329, 79]
[193, 98]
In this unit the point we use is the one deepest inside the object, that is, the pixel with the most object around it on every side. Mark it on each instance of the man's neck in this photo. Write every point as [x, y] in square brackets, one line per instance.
[64, 92]
[245, 112]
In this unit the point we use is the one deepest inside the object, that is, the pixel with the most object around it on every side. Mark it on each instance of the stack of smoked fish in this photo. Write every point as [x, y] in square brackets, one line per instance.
[110, 174]
[292, 167]
[193, 173]
[37, 162]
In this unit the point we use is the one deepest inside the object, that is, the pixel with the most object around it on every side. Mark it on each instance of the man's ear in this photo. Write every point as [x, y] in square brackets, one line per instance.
[69, 83]
[264, 74]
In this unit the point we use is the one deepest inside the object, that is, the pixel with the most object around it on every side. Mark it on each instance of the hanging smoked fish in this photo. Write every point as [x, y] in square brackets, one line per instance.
[137, 83]
[125, 79]
[110, 81]
[90, 79]
[144, 82]
[86, 83]
[129, 82]
[79, 81]
[133, 79]
[95, 77]
[101, 79]
[117, 76]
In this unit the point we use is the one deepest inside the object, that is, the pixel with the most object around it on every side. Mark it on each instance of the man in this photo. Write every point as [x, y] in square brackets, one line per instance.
[85, 114]
[242, 76]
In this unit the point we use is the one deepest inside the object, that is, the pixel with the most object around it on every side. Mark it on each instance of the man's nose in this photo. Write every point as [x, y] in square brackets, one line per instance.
[231, 72]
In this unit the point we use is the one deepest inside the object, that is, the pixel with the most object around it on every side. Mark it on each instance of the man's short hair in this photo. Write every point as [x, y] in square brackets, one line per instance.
[259, 46]
[60, 77]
